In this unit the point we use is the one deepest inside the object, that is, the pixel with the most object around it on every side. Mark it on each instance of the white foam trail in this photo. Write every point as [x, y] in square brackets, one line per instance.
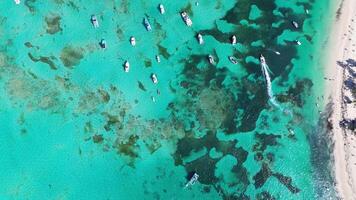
[265, 73]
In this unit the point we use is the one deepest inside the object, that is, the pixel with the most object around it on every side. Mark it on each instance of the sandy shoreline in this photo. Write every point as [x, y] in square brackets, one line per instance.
[341, 47]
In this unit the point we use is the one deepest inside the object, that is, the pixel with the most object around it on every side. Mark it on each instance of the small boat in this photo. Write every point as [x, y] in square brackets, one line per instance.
[154, 78]
[291, 132]
[192, 180]
[102, 44]
[161, 9]
[186, 18]
[132, 40]
[306, 11]
[297, 42]
[295, 24]
[200, 38]
[233, 40]
[233, 60]
[211, 59]
[277, 52]
[158, 59]
[94, 21]
[147, 24]
[17, 1]
[126, 66]
[262, 60]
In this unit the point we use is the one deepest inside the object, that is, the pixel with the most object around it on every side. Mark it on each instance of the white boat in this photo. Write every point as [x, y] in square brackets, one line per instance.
[233, 60]
[298, 42]
[132, 41]
[94, 21]
[192, 180]
[126, 66]
[233, 40]
[262, 60]
[154, 78]
[211, 59]
[103, 44]
[200, 38]
[147, 24]
[17, 1]
[307, 11]
[186, 18]
[161, 9]
[158, 59]
[295, 24]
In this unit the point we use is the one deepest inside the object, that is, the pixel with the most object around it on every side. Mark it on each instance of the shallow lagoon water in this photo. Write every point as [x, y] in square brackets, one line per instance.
[74, 125]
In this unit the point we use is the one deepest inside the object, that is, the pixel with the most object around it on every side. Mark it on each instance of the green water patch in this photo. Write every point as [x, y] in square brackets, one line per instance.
[53, 22]
[71, 56]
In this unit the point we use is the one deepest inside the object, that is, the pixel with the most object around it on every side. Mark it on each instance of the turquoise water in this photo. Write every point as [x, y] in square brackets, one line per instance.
[74, 125]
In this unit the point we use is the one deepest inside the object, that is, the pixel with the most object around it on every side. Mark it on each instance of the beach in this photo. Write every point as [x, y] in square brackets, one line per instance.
[77, 124]
[338, 70]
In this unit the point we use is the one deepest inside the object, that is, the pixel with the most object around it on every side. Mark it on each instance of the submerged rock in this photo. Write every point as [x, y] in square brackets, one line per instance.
[53, 23]
[71, 56]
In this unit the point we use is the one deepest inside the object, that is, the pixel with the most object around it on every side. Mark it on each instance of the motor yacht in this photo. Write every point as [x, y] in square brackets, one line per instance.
[132, 41]
[233, 40]
[262, 60]
[200, 38]
[126, 66]
[211, 59]
[147, 24]
[102, 44]
[94, 21]
[154, 78]
[161, 9]
[158, 59]
[233, 60]
[192, 180]
[186, 18]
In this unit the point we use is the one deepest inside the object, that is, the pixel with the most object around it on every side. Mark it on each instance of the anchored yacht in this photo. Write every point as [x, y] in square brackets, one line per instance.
[295, 24]
[147, 24]
[94, 21]
[158, 59]
[200, 38]
[17, 1]
[298, 42]
[233, 40]
[186, 18]
[154, 78]
[102, 44]
[192, 180]
[211, 59]
[233, 60]
[126, 66]
[132, 40]
[161, 9]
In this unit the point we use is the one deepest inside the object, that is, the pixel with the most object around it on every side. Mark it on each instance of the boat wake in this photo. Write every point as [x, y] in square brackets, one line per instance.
[265, 71]
[272, 99]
